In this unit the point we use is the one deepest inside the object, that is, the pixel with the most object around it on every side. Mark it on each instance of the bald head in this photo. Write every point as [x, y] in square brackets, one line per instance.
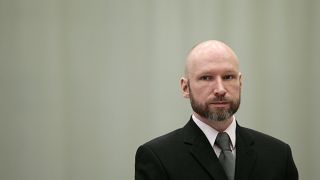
[210, 50]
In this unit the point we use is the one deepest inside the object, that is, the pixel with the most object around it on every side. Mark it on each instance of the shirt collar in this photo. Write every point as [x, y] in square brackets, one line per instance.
[211, 133]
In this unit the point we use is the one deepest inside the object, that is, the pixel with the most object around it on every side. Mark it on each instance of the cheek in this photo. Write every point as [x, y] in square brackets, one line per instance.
[235, 90]
[201, 93]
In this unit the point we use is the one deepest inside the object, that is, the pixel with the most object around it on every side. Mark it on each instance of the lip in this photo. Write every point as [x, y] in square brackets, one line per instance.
[220, 104]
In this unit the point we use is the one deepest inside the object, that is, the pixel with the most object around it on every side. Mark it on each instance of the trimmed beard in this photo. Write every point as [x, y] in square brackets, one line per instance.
[217, 114]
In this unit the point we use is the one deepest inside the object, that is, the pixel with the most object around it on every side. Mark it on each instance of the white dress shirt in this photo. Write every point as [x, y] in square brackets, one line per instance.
[211, 134]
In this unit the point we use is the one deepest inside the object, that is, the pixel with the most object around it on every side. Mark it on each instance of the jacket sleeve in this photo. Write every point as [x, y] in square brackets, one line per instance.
[148, 166]
[291, 172]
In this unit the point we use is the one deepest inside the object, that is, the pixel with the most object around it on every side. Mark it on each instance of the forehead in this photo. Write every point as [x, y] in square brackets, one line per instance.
[212, 57]
[207, 66]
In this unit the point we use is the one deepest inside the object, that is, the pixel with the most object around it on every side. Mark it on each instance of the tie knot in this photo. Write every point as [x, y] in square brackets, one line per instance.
[223, 141]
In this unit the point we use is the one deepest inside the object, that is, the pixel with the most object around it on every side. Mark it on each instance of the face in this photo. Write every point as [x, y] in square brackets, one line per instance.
[213, 84]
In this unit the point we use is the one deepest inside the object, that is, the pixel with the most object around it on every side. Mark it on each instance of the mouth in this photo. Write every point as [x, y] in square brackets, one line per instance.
[220, 104]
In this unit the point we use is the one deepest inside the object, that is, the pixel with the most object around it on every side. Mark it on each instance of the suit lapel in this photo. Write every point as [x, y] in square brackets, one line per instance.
[202, 151]
[245, 154]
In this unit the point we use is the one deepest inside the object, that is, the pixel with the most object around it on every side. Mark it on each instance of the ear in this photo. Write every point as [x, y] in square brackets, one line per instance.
[240, 79]
[184, 87]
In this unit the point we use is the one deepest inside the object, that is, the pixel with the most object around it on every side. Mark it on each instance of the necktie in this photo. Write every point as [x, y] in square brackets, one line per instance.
[226, 157]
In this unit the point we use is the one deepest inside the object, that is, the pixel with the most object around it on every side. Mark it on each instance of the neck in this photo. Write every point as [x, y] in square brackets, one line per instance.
[217, 125]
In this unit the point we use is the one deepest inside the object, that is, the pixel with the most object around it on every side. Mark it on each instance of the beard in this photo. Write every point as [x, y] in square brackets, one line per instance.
[216, 114]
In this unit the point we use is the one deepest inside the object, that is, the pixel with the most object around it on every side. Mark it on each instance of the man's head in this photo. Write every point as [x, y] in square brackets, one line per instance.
[212, 81]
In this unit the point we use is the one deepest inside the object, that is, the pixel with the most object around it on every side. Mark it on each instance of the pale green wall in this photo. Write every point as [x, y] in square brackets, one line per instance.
[84, 83]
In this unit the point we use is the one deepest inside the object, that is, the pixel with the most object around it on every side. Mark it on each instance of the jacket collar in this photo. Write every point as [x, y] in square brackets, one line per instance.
[203, 153]
[245, 153]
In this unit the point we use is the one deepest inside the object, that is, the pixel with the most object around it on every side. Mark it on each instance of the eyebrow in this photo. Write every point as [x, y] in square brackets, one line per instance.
[224, 72]
[232, 71]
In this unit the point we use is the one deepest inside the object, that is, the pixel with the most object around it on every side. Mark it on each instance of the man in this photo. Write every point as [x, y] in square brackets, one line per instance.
[212, 146]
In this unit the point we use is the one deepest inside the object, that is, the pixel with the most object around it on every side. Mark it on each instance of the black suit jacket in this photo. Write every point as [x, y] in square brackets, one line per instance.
[186, 154]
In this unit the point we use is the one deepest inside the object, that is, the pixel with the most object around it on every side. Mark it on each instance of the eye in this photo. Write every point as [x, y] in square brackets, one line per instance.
[206, 78]
[229, 77]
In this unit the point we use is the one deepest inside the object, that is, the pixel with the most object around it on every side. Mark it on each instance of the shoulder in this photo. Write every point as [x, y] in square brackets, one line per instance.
[257, 135]
[162, 150]
[153, 157]
[167, 140]
[177, 139]
[262, 142]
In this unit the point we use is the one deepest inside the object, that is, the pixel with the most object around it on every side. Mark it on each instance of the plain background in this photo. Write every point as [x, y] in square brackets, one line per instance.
[85, 82]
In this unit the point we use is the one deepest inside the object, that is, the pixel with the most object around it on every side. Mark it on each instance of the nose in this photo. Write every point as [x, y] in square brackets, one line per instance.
[219, 90]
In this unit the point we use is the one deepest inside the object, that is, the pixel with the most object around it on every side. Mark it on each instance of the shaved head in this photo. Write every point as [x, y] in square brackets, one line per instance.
[211, 49]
